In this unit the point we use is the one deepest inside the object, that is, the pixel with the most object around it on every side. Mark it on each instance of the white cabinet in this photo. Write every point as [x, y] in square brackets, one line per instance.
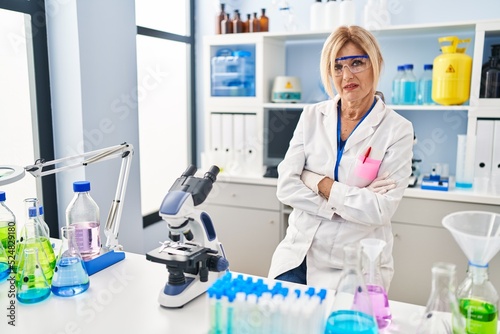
[248, 223]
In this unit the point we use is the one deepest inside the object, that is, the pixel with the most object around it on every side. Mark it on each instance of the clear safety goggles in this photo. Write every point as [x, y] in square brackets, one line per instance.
[355, 64]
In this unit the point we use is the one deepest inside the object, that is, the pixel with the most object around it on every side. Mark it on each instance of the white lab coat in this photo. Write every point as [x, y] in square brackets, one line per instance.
[320, 228]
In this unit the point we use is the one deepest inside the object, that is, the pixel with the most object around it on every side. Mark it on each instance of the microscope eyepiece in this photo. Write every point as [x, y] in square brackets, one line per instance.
[190, 171]
[212, 173]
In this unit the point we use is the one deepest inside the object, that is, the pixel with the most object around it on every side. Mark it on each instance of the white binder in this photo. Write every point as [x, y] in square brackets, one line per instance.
[484, 148]
[216, 132]
[227, 133]
[239, 133]
[495, 161]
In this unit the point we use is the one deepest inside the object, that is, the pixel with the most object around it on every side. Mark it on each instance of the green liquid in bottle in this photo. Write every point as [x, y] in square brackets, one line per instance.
[481, 317]
[8, 235]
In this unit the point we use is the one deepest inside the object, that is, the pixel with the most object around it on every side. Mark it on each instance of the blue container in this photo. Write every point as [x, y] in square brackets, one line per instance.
[408, 86]
[233, 74]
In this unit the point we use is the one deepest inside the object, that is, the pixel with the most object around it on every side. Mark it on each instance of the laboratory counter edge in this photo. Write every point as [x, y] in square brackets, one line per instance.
[124, 298]
[453, 194]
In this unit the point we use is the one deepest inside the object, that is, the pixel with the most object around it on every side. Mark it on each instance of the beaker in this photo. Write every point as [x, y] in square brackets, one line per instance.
[352, 307]
[442, 315]
[32, 287]
[478, 235]
[372, 249]
[4, 264]
[70, 276]
[33, 236]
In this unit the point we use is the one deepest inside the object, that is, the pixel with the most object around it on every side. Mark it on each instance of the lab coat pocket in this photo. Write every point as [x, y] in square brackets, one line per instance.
[365, 171]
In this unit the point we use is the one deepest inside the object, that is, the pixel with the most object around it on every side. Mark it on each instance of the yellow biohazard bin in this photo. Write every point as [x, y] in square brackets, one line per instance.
[451, 72]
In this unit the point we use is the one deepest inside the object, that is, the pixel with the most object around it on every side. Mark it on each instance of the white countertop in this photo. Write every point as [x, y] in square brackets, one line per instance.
[123, 299]
[457, 195]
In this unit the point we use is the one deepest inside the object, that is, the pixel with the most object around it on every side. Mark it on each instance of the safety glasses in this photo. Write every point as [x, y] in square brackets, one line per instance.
[355, 64]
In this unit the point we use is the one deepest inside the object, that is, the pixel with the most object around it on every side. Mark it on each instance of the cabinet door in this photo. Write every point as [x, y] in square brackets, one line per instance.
[249, 236]
[416, 249]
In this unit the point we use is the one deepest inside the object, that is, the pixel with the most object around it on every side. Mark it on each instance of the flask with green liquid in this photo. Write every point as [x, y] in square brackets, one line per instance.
[478, 234]
[478, 301]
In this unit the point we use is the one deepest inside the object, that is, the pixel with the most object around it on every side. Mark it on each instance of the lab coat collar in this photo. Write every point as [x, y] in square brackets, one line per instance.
[366, 129]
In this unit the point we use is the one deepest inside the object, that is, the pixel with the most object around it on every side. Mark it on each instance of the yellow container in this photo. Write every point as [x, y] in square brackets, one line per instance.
[451, 72]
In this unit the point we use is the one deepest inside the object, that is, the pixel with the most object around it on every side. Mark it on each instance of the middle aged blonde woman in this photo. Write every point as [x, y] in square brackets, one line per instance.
[346, 168]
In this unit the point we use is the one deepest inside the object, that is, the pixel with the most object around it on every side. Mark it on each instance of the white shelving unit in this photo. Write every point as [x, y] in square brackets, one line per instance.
[420, 238]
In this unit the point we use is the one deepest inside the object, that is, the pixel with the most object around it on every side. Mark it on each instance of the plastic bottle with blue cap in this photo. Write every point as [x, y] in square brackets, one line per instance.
[83, 213]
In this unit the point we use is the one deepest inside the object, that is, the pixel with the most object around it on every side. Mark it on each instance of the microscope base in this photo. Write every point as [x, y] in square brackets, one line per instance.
[103, 261]
[178, 296]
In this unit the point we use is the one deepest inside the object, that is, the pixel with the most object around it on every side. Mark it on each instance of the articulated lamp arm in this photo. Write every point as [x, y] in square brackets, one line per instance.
[124, 151]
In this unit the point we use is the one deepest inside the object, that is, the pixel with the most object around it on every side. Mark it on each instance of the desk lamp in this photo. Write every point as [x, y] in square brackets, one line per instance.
[112, 251]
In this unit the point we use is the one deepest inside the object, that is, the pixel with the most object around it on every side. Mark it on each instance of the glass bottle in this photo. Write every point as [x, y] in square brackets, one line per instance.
[4, 264]
[478, 300]
[8, 230]
[495, 55]
[33, 236]
[246, 23]
[33, 286]
[352, 307]
[226, 26]
[254, 25]
[396, 85]
[424, 96]
[70, 276]
[408, 86]
[83, 213]
[218, 19]
[264, 20]
[372, 249]
[492, 79]
[442, 315]
[237, 23]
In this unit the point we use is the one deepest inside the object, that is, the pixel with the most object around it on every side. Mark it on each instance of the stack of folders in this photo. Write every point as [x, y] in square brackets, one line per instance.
[234, 144]
[487, 156]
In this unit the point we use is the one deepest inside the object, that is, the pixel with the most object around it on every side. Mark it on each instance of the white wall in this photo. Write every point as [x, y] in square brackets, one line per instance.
[92, 60]
[403, 12]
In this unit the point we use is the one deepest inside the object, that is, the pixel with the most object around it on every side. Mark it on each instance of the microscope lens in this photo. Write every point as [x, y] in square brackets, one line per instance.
[188, 235]
[174, 236]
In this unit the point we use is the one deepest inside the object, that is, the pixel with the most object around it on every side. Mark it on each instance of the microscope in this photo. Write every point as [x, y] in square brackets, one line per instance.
[193, 256]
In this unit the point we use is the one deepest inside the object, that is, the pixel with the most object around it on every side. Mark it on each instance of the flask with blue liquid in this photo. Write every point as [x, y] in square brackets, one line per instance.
[352, 310]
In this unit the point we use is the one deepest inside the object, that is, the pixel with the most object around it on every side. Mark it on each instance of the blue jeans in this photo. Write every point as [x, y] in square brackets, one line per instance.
[296, 275]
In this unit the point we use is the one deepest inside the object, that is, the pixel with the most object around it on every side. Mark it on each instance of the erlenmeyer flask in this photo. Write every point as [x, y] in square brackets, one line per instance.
[34, 202]
[33, 236]
[33, 286]
[478, 300]
[70, 276]
[4, 264]
[442, 315]
[352, 307]
[372, 249]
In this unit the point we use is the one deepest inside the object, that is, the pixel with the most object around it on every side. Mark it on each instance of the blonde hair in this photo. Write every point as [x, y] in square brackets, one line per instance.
[357, 35]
